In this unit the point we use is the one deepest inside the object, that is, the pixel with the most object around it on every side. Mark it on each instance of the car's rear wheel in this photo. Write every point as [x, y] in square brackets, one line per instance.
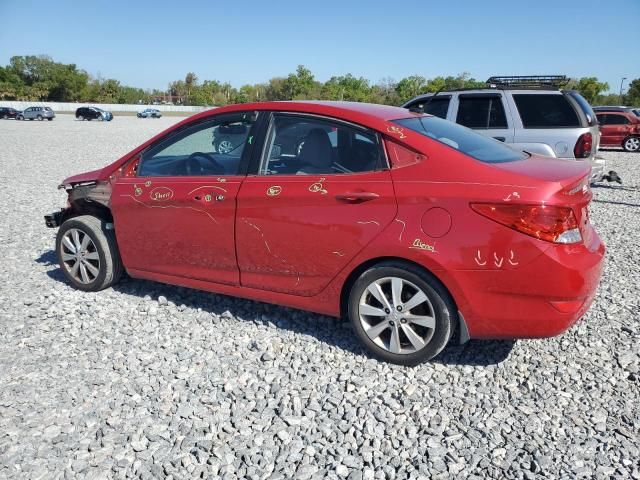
[81, 118]
[5, 116]
[19, 117]
[631, 144]
[88, 253]
[400, 313]
[39, 117]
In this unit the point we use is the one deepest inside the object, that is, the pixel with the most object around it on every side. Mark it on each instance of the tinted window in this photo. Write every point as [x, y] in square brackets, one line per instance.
[214, 147]
[437, 106]
[462, 139]
[602, 119]
[310, 146]
[546, 111]
[613, 119]
[481, 112]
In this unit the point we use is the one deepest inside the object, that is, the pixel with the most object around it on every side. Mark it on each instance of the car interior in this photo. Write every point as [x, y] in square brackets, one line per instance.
[303, 147]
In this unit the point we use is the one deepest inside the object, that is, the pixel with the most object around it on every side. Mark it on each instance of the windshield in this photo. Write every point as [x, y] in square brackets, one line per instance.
[463, 139]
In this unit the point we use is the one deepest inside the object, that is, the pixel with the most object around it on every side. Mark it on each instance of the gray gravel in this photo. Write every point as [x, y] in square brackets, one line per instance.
[153, 381]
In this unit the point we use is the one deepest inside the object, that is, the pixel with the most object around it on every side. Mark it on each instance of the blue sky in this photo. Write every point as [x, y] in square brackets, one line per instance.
[149, 43]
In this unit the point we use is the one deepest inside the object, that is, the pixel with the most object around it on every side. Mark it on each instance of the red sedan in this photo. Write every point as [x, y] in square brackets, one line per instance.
[411, 226]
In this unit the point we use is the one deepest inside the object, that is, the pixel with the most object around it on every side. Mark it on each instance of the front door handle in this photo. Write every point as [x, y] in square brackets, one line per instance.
[501, 139]
[356, 197]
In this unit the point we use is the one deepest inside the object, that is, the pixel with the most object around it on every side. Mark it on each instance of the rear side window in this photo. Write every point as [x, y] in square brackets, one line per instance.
[546, 111]
[584, 106]
[464, 140]
[481, 111]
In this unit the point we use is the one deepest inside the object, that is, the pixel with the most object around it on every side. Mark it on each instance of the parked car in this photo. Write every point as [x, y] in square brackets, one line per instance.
[619, 129]
[530, 113]
[149, 113]
[8, 112]
[93, 113]
[411, 226]
[635, 111]
[36, 113]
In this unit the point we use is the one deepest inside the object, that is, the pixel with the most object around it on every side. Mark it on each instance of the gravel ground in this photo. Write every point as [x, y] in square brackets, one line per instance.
[153, 381]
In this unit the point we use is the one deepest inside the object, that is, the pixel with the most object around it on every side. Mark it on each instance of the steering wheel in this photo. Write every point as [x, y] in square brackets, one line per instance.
[194, 167]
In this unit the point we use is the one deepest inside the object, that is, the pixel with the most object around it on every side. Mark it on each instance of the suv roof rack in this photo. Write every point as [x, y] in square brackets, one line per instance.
[528, 81]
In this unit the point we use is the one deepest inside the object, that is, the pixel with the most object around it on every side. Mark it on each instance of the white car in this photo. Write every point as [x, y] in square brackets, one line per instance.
[149, 113]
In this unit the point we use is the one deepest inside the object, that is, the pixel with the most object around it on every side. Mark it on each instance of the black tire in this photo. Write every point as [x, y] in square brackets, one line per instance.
[110, 269]
[444, 311]
[19, 117]
[5, 116]
[39, 117]
[631, 144]
[80, 117]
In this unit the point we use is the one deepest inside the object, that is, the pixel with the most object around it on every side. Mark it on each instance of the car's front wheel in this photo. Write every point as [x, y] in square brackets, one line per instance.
[631, 144]
[401, 313]
[88, 253]
[19, 117]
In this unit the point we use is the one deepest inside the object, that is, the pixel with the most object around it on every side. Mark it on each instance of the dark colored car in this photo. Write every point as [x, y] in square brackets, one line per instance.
[93, 113]
[619, 129]
[8, 112]
[411, 226]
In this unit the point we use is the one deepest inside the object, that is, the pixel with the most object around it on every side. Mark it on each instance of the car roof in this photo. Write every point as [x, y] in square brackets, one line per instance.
[351, 111]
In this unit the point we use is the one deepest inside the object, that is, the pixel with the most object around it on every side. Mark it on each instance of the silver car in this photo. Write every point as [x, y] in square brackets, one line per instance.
[36, 113]
[529, 113]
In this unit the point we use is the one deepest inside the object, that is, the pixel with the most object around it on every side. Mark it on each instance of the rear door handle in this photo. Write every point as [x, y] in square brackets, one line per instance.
[356, 197]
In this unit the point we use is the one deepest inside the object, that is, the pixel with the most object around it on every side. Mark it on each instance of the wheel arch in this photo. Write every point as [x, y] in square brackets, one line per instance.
[84, 206]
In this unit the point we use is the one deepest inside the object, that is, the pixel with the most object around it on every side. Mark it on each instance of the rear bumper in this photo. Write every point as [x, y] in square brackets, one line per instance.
[541, 299]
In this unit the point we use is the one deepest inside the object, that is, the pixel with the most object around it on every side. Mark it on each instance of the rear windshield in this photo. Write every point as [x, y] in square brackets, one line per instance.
[546, 111]
[464, 140]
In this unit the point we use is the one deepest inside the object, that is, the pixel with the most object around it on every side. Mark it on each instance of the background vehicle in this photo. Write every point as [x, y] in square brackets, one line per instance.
[93, 113]
[398, 221]
[36, 113]
[149, 113]
[8, 112]
[635, 111]
[619, 129]
[530, 113]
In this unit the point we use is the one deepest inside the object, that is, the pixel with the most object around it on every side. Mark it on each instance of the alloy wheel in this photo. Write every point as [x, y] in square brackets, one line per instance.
[397, 315]
[632, 144]
[80, 256]
[225, 146]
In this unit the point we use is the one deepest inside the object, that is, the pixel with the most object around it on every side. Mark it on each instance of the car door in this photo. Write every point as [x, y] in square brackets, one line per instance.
[606, 130]
[174, 208]
[321, 193]
[618, 127]
[486, 113]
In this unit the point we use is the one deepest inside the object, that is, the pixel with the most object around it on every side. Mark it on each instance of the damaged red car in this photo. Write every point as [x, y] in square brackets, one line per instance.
[418, 230]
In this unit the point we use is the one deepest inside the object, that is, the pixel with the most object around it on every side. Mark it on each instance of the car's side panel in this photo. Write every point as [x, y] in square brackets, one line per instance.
[295, 233]
[181, 226]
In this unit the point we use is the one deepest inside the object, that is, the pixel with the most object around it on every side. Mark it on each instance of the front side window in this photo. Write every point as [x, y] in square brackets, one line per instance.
[613, 119]
[213, 147]
[481, 112]
[464, 140]
[546, 111]
[298, 145]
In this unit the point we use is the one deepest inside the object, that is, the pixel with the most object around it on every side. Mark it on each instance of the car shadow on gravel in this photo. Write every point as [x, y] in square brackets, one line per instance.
[611, 202]
[328, 330]
[614, 187]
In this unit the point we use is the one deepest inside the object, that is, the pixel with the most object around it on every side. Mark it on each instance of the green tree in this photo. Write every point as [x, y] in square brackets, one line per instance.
[409, 87]
[633, 93]
[589, 87]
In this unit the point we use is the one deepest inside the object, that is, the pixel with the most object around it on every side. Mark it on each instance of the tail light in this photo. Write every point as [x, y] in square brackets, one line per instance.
[546, 222]
[583, 146]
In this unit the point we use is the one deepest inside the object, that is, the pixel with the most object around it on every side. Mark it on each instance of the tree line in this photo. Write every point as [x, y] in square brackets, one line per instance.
[39, 78]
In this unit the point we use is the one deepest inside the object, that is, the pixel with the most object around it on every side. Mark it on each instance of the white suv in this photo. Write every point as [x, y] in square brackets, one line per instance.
[530, 113]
